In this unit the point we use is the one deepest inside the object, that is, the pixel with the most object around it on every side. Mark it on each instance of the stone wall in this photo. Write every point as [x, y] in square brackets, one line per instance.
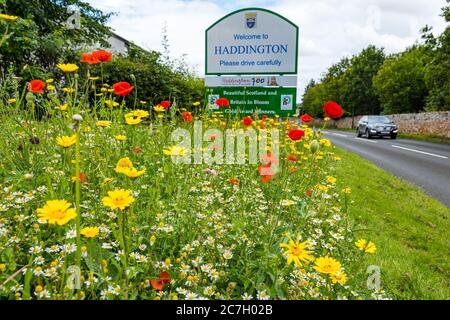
[433, 123]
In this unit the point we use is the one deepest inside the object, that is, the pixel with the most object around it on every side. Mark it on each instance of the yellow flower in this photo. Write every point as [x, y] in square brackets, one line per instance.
[13, 100]
[325, 142]
[90, 232]
[50, 88]
[327, 119]
[103, 124]
[68, 90]
[118, 199]
[347, 190]
[159, 108]
[140, 113]
[297, 252]
[63, 107]
[123, 165]
[112, 103]
[327, 265]
[365, 246]
[331, 180]
[68, 68]
[7, 17]
[66, 141]
[38, 288]
[56, 212]
[2, 267]
[322, 188]
[121, 137]
[339, 277]
[175, 151]
[132, 120]
[94, 78]
[49, 81]
[196, 104]
[133, 173]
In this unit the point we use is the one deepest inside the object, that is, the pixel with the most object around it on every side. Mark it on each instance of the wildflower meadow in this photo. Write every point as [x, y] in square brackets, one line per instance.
[98, 201]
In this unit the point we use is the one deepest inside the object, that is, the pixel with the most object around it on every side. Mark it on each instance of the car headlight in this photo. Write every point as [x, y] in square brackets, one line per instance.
[373, 130]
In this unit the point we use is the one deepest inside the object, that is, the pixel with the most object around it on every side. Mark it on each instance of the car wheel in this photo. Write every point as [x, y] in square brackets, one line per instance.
[393, 136]
[358, 133]
[368, 136]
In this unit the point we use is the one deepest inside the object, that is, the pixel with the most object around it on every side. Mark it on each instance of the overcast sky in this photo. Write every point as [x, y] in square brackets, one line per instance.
[329, 29]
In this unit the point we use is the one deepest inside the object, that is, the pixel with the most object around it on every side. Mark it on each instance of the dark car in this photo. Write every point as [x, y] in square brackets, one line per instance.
[376, 126]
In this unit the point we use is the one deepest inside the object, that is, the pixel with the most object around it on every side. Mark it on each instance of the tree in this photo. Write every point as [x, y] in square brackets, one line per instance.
[361, 98]
[437, 72]
[400, 82]
[40, 38]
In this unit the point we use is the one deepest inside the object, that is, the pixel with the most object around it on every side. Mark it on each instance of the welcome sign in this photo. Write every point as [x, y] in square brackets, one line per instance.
[251, 59]
[252, 41]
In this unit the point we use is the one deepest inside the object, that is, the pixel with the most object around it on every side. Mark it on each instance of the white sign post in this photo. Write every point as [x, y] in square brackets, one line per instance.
[252, 41]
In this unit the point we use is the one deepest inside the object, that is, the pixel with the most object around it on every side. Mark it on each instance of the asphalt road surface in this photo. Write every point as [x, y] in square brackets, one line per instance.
[424, 164]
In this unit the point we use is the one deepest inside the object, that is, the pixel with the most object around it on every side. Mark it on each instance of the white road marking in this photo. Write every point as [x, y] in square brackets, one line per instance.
[422, 152]
[339, 135]
[366, 140]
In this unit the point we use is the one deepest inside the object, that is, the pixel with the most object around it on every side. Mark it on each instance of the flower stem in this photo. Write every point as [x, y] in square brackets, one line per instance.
[78, 198]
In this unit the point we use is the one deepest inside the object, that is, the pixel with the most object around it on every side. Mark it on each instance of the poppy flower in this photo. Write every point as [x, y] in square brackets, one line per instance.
[269, 159]
[36, 86]
[187, 116]
[296, 135]
[265, 170]
[83, 178]
[89, 58]
[292, 158]
[306, 118]
[309, 192]
[102, 55]
[122, 89]
[165, 104]
[157, 284]
[264, 117]
[247, 121]
[136, 150]
[333, 110]
[165, 277]
[266, 179]
[223, 102]
[235, 182]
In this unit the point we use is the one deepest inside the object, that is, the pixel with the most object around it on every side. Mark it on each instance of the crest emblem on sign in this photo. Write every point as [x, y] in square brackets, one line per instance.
[250, 20]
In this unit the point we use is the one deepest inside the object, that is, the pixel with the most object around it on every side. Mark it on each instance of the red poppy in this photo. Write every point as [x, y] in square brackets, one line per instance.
[122, 89]
[136, 150]
[296, 135]
[165, 277]
[266, 179]
[306, 118]
[187, 116]
[247, 121]
[264, 117]
[89, 58]
[223, 102]
[157, 284]
[36, 86]
[102, 55]
[165, 104]
[333, 110]
[309, 192]
[269, 159]
[292, 158]
[265, 170]
[235, 182]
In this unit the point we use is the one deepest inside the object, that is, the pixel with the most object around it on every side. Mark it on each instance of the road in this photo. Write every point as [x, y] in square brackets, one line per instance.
[424, 164]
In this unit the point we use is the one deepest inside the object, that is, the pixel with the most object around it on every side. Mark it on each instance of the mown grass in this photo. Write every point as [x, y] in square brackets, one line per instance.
[410, 229]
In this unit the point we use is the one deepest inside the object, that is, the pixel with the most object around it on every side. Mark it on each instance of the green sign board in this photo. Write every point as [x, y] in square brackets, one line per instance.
[260, 100]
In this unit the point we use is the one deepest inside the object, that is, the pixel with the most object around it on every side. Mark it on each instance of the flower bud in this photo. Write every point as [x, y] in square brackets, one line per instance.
[77, 117]
[30, 97]
[314, 146]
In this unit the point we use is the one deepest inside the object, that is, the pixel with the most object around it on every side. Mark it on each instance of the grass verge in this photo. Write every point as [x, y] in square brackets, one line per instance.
[410, 229]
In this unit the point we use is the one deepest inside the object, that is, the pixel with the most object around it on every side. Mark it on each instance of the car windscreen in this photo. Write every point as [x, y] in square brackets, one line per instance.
[383, 120]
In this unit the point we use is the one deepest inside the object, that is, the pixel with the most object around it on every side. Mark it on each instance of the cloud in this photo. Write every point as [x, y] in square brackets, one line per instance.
[329, 29]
